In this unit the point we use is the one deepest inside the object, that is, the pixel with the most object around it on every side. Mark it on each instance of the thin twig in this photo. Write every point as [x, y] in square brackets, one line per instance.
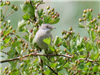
[6, 9]
[87, 55]
[34, 54]
[52, 70]
[5, 52]
[9, 14]
[41, 61]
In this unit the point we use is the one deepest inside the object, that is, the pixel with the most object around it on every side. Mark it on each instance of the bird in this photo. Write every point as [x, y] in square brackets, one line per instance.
[43, 33]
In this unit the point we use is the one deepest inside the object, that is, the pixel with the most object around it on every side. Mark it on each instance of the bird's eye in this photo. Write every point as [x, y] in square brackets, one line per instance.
[47, 26]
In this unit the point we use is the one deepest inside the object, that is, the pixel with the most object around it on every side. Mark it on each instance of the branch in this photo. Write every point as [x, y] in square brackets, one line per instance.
[5, 52]
[34, 54]
[88, 60]
[52, 70]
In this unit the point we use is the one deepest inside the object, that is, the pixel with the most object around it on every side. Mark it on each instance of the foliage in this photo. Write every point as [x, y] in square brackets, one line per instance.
[79, 56]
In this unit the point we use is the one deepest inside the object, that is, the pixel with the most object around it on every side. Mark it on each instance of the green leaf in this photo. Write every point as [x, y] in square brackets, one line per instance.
[54, 21]
[81, 65]
[46, 19]
[40, 21]
[47, 40]
[28, 8]
[95, 68]
[51, 48]
[53, 65]
[40, 12]
[57, 40]
[26, 37]
[92, 35]
[18, 36]
[1, 47]
[31, 37]
[26, 16]
[21, 25]
[7, 39]
[89, 16]
[81, 25]
[2, 4]
[25, 8]
[47, 72]
[79, 43]
[35, 30]
[65, 44]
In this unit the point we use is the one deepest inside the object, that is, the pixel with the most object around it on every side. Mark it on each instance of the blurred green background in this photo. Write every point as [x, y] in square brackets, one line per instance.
[70, 12]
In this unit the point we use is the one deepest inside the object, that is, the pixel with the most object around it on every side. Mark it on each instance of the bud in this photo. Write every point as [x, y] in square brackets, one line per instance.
[7, 3]
[10, 27]
[80, 19]
[85, 38]
[84, 18]
[85, 11]
[14, 30]
[90, 10]
[57, 15]
[65, 49]
[10, 72]
[26, 47]
[84, 15]
[67, 35]
[31, 30]
[23, 44]
[48, 7]
[64, 32]
[21, 41]
[58, 45]
[15, 8]
[26, 44]
[4, 24]
[94, 20]
[28, 1]
[6, 68]
[92, 29]
[53, 16]
[96, 27]
[30, 68]
[35, 69]
[49, 11]
[52, 13]
[3, 39]
[15, 38]
[53, 9]
[91, 21]
[28, 22]
[98, 16]
[70, 29]
[25, 2]
[64, 36]
[22, 64]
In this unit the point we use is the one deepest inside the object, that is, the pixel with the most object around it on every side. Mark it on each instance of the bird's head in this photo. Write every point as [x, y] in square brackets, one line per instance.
[47, 27]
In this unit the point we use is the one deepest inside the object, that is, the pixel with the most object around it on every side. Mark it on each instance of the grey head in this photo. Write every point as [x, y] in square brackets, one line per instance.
[46, 27]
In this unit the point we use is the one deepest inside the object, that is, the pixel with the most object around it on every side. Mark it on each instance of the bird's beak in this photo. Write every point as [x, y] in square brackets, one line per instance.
[53, 28]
